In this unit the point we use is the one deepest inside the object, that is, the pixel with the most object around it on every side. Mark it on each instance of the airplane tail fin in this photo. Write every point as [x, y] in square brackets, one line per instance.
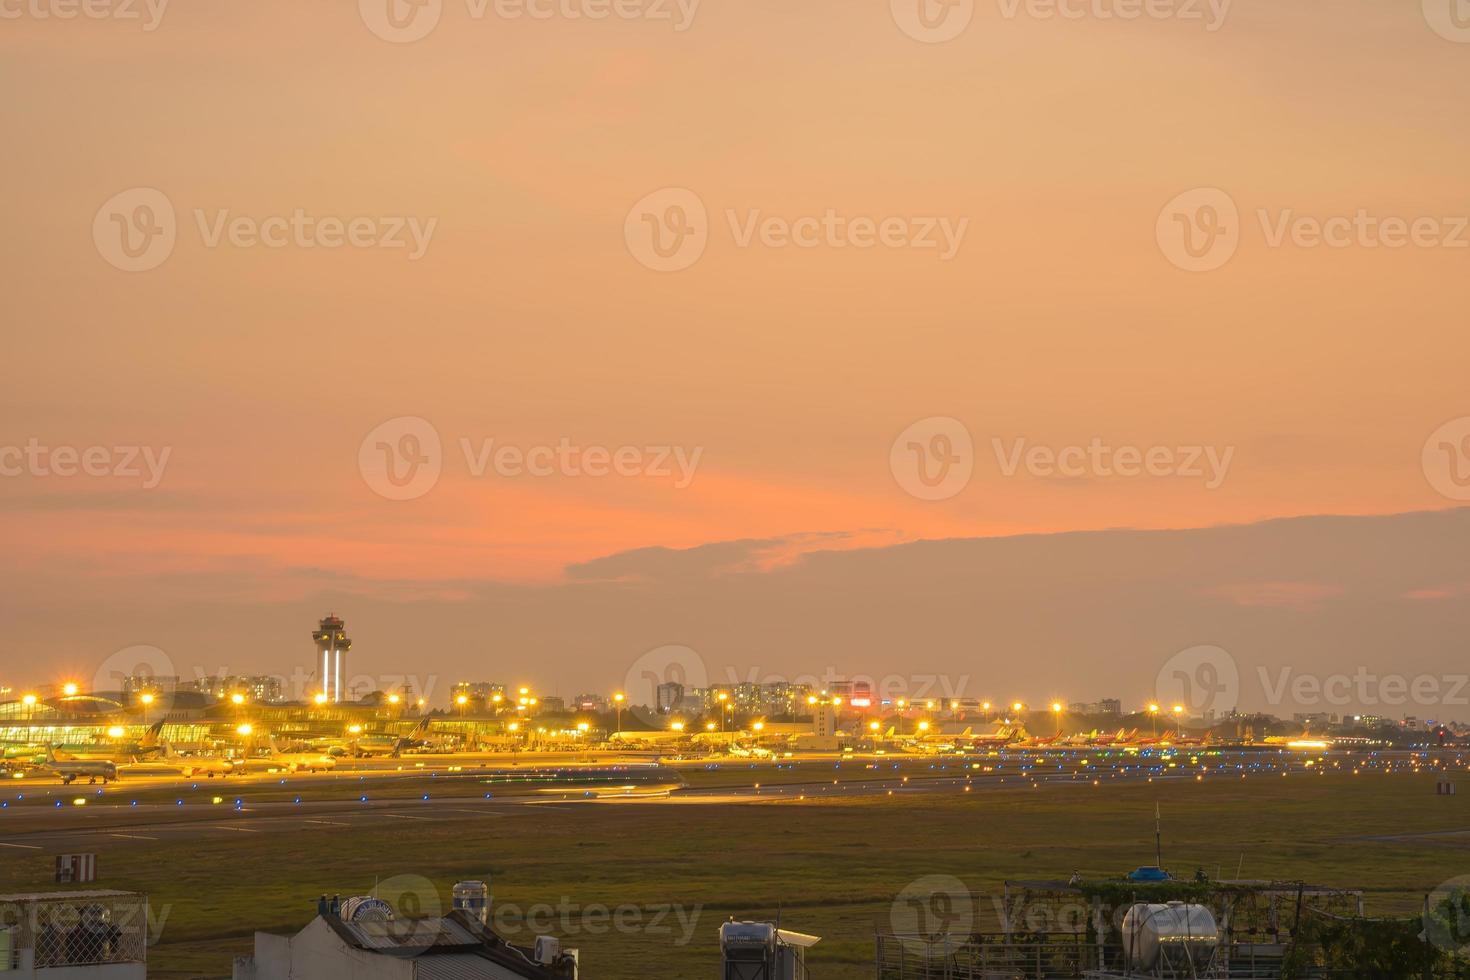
[151, 737]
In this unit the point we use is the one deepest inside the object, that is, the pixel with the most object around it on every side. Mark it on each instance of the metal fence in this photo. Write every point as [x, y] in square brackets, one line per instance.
[77, 929]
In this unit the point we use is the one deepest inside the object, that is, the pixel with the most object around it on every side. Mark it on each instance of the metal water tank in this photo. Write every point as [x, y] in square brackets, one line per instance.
[1173, 930]
[472, 898]
[366, 908]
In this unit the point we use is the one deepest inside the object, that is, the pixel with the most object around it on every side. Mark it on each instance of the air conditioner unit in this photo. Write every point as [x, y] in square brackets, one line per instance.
[548, 948]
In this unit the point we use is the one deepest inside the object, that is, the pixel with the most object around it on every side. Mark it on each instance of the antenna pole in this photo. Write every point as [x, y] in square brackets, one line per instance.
[1158, 838]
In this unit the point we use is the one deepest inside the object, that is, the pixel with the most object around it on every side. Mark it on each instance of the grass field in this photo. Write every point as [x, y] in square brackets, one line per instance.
[832, 867]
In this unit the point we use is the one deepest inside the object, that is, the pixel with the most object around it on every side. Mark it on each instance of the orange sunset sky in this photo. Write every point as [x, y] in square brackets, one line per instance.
[529, 320]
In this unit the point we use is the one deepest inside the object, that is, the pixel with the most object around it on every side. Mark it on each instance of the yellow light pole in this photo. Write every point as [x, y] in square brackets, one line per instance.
[146, 700]
[30, 703]
[69, 689]
[1153, 719]
[1056, 709]
[1179, 719]
[461, 702]
[618, 700]
[986, 707]
[724, 699]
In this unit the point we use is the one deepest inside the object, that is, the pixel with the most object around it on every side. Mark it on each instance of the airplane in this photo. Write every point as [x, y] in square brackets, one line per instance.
[71, 769]
[200, 766]
[367, 745]
[297, 761]
[149, 745]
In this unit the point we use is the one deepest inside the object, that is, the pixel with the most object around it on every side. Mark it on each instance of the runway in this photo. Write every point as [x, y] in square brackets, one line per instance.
[148, 808]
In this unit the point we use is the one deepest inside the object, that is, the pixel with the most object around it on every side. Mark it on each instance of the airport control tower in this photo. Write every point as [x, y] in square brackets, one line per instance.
[332, 645]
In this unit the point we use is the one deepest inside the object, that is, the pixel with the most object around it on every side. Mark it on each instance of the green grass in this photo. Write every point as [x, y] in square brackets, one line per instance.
[832, 867]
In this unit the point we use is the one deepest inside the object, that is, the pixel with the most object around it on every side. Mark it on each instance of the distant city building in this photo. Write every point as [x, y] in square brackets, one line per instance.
[551, 704]
[668, 696]
[136, 684]
[1107, 706]
[481, 691]
[332, 645]
[261, 689]
[824, 721]
[1315, 719]
[595, 703]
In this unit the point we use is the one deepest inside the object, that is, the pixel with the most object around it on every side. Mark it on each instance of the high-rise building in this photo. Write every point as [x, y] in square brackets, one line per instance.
[668, 697]
[332, 645]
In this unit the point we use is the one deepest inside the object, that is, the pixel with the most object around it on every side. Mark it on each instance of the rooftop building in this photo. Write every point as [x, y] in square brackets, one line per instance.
[454, 947]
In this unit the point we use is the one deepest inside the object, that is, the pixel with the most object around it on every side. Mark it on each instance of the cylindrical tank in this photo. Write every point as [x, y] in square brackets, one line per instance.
[473, 899]
[1183, 930]
[366, 908]
[739, 937]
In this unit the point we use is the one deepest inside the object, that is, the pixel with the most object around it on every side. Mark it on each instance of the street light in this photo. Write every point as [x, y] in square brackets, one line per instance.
[116, 731]
[321, 697]
[393, 699]
[618, 700]
[30, 702]
[70, 690]
[1179, 719]
[1056, 709]
[146, 700]
[462, 700]
[246, 729]
[1153, 718]
[677, 726]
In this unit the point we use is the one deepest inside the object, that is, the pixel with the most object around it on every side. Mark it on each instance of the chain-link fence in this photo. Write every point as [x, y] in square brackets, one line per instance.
[76, 929]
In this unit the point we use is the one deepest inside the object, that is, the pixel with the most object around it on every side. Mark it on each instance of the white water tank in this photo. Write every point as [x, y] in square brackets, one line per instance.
[1175, 930]
[473, 899]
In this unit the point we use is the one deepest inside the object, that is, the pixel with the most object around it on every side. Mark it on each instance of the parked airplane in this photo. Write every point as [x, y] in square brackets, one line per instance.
[149, 745]
[297, 761]
[192, 766]
[88, 769]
